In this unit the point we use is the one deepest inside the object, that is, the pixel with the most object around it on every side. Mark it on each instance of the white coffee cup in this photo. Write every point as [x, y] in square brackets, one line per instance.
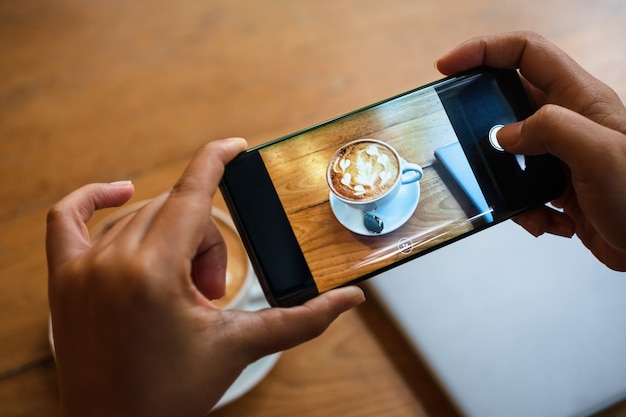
[241, 283]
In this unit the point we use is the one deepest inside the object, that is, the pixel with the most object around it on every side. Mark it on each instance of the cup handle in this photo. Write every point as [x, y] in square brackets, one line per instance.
[414, 173]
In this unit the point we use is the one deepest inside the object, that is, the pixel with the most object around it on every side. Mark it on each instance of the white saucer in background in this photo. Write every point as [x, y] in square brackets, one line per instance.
[393, 214]
[258, 370]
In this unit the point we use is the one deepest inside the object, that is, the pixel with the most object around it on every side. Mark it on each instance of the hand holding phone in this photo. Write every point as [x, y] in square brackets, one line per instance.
[130, 315]
[581, 121]
[344, 200]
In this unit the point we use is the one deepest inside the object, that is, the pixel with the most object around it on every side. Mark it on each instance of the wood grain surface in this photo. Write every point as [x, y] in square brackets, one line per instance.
[107, 90]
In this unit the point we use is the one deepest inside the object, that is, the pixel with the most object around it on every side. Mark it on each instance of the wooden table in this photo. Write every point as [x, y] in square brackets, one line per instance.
[109, 90]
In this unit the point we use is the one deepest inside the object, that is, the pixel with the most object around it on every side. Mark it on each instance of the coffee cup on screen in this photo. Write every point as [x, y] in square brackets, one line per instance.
[368, 173]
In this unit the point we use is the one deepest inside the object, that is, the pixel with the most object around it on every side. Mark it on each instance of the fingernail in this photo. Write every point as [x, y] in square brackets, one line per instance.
[563, 226]
[357, 293]
[121, 183]
[237, 139]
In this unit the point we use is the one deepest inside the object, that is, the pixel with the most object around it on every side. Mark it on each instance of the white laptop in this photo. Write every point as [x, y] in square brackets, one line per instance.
[512, 325]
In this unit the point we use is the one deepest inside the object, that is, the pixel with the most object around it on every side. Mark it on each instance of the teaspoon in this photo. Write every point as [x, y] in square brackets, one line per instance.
[372, 222]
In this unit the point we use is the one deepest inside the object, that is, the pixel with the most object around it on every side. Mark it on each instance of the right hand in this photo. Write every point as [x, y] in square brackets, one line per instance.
[581, 121]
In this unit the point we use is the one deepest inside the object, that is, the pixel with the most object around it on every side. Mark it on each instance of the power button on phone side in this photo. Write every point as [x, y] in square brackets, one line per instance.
[493, 140]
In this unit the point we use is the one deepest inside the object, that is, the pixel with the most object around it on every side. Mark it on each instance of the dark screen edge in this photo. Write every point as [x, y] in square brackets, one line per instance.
[265, 231]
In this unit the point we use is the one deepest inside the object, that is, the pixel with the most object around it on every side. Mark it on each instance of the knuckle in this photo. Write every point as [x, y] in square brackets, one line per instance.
[184, 183]
[547, 115]
[534, 36]
[601, 103]
[55, 213]
[548, 112]
[537, 120]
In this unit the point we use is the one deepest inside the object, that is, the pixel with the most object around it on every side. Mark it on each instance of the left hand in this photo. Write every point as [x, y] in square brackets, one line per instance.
[135, 331]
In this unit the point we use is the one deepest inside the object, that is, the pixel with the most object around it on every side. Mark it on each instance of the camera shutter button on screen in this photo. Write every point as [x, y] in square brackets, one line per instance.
[493, 139]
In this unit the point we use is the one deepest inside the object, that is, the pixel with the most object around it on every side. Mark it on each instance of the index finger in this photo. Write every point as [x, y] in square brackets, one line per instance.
[66, 232]
[540, 62]
[183, 219]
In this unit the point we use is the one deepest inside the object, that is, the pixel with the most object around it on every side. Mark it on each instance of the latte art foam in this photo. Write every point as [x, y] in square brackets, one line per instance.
[364, 171]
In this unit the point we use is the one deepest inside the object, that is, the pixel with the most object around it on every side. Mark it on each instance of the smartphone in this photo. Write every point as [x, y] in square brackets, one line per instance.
[344, 200]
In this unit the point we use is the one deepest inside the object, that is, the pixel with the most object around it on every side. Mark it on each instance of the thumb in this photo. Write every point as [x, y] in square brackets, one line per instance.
[577, 141]
[596, 158]
[276, 329]
[66, 231]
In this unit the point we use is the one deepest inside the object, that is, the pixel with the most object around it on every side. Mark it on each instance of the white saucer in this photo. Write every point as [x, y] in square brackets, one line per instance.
[393, 214]
[248, 379]
[256, 371]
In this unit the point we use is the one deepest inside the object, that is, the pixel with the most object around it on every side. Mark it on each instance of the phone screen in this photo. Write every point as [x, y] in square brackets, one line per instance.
[386, 183]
